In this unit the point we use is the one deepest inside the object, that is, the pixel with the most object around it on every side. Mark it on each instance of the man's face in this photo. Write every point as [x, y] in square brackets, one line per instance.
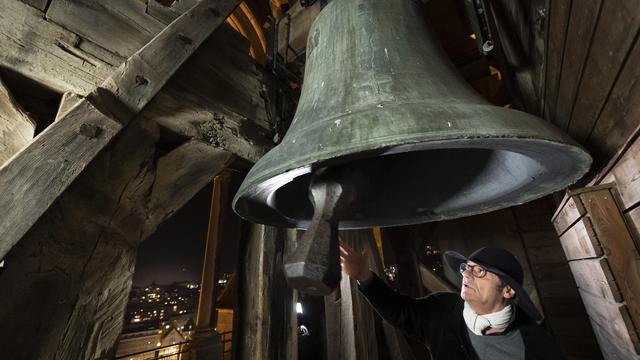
[484, 294]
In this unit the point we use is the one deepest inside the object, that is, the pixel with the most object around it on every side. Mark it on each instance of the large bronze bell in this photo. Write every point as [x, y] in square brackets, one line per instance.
[388, 133]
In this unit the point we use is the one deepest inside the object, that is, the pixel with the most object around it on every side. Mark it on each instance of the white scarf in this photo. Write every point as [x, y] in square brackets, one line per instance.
[497, 320]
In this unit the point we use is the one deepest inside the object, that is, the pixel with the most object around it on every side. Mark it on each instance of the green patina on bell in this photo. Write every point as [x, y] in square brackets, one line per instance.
[381, 98]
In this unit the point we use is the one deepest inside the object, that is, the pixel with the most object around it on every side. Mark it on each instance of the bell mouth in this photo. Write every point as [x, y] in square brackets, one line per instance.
[423, 182]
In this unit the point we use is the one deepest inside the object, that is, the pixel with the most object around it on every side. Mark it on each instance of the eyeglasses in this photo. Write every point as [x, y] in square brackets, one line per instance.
[477, 270]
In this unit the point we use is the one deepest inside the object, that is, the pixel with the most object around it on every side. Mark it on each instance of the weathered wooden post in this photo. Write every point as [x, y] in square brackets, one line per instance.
[206, 312]
[266, 317]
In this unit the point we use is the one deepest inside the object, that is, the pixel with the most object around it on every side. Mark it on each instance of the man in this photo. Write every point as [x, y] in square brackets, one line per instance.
[492, 318]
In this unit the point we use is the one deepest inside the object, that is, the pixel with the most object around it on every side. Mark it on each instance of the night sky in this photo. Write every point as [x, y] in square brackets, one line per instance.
[176, 250]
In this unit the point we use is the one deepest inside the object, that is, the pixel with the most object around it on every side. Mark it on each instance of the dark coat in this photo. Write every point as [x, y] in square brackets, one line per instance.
[437, 322]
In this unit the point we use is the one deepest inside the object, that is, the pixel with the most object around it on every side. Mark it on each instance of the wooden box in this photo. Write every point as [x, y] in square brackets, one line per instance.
[605, 264]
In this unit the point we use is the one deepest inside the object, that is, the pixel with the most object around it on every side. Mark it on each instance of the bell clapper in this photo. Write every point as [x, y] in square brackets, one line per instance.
[314, 267]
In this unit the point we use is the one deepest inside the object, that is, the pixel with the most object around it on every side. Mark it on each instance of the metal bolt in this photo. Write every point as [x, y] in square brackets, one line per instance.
[141, 80]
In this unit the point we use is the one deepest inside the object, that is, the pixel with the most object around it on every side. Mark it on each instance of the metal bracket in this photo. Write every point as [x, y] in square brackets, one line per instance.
[477, 13]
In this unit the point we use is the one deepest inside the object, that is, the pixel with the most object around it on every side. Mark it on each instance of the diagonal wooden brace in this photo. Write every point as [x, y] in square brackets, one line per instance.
[42, 171]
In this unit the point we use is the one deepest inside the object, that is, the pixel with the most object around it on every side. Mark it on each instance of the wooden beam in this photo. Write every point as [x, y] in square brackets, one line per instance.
[64, 289]
[265, 304]
[613, 318]
[176, 110]
[96, 20]
[569, 213]
[596, 277]
[558, 23]
[621, 251]
[176, 182]
[41, 50]
[581, 25]
[35, 178]
[612, 348]
[140, 78]
[614, 35]
[232, 81]
[71, 279]
[206, 312]
[580, 242]
[16, 126]
[38, 175]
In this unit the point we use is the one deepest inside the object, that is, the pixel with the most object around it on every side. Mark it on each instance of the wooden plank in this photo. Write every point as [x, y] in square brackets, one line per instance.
[158, 60]
[580, 242]
[613, 318]
[98, 52]
[96, 20]
[558, 24]
[595, 277]
[616, 241]
[568, 215]
[33, 47]
[582, 22]
[16, 126]
[176, 183]
[618, 121]
[611, 347]
[626, 175]
[537, 11]
[45, 168]
[178, 111]
[618, 24]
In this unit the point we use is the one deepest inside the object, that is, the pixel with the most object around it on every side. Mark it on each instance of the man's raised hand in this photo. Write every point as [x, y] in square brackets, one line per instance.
[354, 263]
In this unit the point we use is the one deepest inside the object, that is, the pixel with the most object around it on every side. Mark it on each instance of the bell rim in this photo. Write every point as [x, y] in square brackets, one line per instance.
[580, 158]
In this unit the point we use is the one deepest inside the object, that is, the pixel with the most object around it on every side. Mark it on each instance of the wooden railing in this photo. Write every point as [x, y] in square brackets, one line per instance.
[183, 348]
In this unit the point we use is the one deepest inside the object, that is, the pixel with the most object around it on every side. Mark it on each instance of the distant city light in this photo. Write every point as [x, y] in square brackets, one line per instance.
[2, 264]
[159, 343]
[298, 308]
[167, 326]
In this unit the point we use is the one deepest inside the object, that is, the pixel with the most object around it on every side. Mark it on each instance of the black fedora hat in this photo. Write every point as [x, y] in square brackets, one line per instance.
[502, 263]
